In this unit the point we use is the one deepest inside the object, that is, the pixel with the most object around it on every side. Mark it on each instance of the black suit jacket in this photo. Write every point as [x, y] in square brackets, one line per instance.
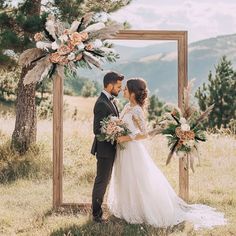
[103, 108]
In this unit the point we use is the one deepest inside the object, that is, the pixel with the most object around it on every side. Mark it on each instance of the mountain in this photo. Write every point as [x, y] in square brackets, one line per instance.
[158, 63]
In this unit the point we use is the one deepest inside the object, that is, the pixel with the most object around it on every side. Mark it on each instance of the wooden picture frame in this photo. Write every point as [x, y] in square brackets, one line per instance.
[182, 43]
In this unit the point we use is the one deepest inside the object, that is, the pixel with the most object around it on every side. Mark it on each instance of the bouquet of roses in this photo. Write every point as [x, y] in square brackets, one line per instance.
[111, 128]
[183, 129]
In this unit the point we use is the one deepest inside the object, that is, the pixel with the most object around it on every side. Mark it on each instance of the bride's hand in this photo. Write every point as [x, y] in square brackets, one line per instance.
[121, 139]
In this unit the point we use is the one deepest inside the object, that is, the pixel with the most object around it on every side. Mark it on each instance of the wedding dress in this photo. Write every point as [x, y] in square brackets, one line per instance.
[140, 193]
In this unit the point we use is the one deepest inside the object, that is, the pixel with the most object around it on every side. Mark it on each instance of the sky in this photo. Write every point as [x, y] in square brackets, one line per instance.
[201, 18]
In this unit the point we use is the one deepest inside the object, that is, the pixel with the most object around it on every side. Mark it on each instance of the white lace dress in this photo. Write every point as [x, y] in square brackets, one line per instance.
[140, 193]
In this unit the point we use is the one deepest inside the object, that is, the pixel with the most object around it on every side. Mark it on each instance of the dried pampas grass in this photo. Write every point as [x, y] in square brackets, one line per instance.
[108, 32]
[34, 75]
[29, 55]
[92, 59]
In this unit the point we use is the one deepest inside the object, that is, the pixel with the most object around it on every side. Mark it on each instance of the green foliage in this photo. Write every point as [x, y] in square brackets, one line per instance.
[10, 40]
[17, 26]
[89, 89]
[69, 10]
[4, 19]
[33, 24]
[221, 91]
[8, 83]
[170, 130]
[232, 126]
[155, 109]
[45, 108]
[106, 5]
[74, 84]
[112, 57]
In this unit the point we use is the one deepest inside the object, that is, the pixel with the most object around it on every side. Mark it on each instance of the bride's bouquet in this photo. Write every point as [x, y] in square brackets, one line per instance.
[184, 130]
[111, 128]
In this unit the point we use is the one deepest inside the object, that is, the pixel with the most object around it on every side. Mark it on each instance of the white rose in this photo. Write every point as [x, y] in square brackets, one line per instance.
[71, 56]
[182, 120]
[185, 127]
[55, 46]
[80, 46]
[63, 38]
[43, 45]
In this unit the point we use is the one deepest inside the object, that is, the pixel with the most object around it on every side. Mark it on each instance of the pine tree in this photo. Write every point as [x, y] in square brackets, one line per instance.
[155, 109]
[221, 91]
[8, 83]
[18, 24]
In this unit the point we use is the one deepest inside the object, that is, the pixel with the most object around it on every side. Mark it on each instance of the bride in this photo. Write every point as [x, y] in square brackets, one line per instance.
[139, 192]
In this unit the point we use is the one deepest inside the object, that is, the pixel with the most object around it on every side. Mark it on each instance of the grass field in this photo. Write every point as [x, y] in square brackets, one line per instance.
[26, 203]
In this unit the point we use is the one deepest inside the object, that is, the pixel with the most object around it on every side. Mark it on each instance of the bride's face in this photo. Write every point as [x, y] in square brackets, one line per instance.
[126, 93]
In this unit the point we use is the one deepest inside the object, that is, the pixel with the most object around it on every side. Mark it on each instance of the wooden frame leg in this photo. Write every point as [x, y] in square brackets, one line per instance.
[57, 140]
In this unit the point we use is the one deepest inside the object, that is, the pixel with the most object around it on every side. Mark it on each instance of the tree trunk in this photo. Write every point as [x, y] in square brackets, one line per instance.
[25, 130]
[25, 126]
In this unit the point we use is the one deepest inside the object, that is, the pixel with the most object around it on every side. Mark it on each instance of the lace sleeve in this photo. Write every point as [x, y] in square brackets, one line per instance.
[139, 119]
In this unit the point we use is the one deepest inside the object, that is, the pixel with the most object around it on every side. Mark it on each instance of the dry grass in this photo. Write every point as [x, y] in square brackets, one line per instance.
[26, 204]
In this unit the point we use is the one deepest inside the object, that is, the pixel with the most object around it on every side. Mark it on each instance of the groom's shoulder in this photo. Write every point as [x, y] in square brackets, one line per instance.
[100, 100]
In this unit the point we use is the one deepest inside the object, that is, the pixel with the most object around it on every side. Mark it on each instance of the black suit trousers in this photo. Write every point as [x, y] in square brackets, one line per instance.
[104, 170]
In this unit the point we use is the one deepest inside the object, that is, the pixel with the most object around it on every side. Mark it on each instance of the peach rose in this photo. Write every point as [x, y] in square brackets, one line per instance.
[54, 57]
[75, 38]
[64, 49]
[84, 36]
[184, 135]
[63, 60]
[38, 37]
[89, 47]
[79, 57]
[70, 45]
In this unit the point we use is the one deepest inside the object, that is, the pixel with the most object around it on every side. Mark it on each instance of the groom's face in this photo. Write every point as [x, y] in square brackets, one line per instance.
[116, 88]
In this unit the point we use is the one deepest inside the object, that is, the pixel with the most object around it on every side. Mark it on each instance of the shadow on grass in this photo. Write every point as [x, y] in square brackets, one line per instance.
[116, 227]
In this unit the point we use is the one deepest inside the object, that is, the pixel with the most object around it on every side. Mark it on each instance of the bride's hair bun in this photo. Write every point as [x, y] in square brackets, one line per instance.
[138, 86]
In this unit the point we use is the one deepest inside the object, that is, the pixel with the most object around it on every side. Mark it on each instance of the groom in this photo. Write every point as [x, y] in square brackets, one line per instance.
[104, 151]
